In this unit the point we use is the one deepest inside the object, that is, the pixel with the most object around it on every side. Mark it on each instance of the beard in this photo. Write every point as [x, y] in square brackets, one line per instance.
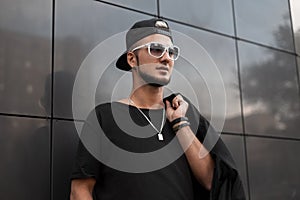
[152, 80]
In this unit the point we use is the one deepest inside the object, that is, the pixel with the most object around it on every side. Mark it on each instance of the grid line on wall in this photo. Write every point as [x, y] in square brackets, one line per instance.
[263, 136]
[241, 101]
[126, 8]
[25, 116]
[197, 27]
[158, 8]
[52, 101]
[40, 117]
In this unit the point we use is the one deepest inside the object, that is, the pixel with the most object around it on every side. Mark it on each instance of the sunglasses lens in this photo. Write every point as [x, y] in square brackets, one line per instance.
[173, 52]
[156, 50]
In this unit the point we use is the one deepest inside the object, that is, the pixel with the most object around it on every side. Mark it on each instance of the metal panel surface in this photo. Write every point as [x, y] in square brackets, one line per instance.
[25, 55]
[214, 15]
[267, 22]
[270, 91]
[65, 141]
[273, 168]
[25, 158]
[82, 27]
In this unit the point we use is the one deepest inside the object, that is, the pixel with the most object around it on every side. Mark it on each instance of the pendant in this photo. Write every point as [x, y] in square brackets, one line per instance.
[160, 137]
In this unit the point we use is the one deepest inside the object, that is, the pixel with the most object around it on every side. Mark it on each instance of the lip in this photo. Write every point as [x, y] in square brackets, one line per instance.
[163, 68]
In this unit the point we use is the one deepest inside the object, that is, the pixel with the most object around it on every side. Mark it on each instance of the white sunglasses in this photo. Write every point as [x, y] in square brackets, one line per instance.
[157, 50]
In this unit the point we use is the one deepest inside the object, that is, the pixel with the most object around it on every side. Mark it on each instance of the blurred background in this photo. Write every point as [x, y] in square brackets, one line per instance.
[255, 45]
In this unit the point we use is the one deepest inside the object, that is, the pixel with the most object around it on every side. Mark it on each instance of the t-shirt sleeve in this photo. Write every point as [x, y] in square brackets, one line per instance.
[86, 165]
[227, 184]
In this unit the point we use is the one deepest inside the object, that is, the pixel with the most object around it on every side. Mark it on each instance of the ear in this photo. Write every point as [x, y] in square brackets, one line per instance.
[131, 59]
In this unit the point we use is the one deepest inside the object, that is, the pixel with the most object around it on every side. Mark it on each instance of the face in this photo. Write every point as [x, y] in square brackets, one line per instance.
[154, 71]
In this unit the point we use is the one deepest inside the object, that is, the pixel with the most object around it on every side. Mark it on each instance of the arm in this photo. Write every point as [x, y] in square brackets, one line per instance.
[81, 189]
[199, 159]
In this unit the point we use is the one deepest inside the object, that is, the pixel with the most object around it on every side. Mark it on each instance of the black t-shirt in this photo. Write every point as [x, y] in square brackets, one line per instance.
[172, 182]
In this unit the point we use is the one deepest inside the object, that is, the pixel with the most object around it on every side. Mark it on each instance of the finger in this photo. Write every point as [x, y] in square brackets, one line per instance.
[179, 97]
[169, 109]
[168, 106]
[184, 105]
[180, 100]
[175, 104]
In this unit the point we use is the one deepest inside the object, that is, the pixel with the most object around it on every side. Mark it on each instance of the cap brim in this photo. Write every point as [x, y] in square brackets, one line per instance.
[122, 62]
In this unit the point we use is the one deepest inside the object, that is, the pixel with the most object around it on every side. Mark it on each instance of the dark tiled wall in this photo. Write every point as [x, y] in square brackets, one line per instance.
[253, 44]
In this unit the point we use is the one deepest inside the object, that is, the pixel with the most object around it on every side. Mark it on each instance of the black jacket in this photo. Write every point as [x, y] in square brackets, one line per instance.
[227, 184]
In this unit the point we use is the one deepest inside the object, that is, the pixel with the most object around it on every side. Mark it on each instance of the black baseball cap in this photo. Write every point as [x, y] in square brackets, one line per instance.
[140, 30]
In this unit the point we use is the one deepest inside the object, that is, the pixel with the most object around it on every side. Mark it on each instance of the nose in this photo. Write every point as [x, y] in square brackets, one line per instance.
[165, 57]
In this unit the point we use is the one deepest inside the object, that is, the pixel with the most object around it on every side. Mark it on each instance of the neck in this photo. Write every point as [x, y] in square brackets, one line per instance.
[147, 96]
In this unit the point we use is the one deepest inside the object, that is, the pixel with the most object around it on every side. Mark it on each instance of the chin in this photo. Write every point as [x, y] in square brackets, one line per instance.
[155, 80]
[159, 83]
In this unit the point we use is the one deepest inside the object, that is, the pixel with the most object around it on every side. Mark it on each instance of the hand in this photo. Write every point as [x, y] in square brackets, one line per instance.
[177, 109]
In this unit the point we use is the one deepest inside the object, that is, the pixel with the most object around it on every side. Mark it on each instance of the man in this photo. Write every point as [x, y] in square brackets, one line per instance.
[196, 174]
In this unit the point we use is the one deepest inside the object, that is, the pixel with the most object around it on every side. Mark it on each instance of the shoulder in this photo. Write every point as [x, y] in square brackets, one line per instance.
[103, 106]
[106, 109]
[109, 105]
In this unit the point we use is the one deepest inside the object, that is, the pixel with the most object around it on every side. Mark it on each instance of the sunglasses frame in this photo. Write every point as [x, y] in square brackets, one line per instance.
[166, 49]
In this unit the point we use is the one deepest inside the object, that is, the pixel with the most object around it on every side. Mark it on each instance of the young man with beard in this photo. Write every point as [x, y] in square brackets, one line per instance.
[149, 123]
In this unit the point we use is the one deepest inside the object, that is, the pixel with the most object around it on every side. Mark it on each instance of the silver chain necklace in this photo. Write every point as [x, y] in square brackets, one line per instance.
[159, 134]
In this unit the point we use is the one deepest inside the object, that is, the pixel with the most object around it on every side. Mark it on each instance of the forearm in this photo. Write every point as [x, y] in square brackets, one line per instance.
[199, 159]
[82, 189]
[83, 195]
